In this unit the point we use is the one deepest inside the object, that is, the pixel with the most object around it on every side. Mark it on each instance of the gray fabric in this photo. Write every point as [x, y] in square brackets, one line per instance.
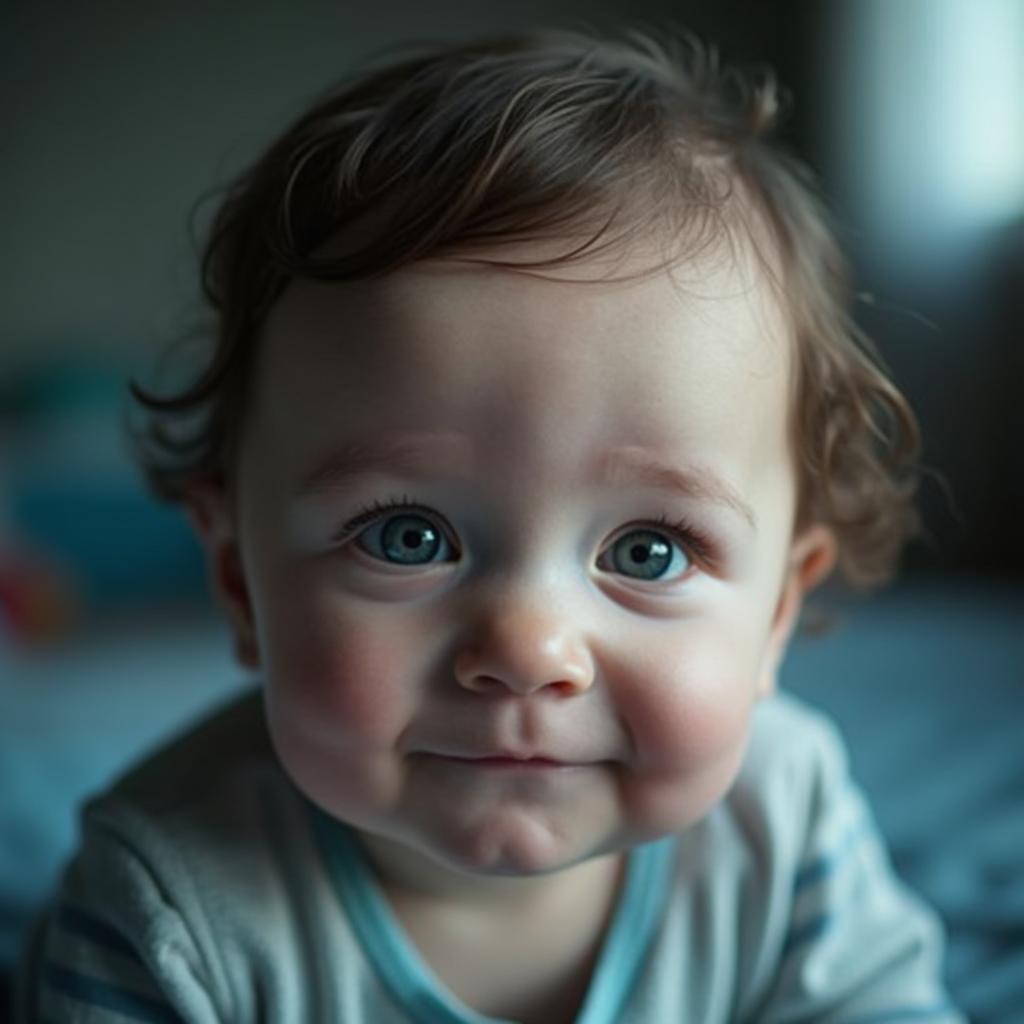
[199, 894]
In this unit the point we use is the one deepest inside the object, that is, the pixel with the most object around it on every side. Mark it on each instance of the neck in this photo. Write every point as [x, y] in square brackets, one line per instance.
[407, 875]
[516, 948]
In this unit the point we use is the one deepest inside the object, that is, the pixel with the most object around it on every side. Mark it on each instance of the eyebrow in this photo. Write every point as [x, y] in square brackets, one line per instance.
[420, 455]
[637, 467]
[414, 455]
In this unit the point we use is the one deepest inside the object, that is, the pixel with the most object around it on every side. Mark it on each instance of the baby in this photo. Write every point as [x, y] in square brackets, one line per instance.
[535, 412]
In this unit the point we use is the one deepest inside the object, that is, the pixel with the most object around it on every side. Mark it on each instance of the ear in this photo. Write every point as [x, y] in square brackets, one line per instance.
[210, 516]
[811, 558]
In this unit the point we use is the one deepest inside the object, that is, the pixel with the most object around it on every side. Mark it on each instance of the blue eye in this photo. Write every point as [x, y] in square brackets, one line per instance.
[411, 537]
[648, 555]
[406, 539]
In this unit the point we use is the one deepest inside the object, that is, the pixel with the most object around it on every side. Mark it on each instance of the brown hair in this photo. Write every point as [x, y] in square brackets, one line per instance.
[457, 147]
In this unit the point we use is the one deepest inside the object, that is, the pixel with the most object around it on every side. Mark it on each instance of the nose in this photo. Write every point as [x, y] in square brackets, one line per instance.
[524, 649]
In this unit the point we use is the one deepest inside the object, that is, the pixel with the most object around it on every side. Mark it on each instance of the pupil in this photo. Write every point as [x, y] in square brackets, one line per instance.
[412, 538]
[639, 553]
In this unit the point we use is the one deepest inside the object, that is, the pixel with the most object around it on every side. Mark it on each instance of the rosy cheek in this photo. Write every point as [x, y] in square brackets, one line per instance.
[690, 718]
[689, 728]
[339, 673]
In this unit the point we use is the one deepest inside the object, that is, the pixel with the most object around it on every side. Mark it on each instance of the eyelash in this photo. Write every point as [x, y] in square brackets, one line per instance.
[694, 541]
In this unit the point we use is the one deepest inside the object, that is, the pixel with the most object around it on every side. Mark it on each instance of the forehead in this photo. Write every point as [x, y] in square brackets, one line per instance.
[698, 356]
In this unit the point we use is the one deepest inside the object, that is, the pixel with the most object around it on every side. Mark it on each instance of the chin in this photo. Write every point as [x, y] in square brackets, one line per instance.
[513, 849]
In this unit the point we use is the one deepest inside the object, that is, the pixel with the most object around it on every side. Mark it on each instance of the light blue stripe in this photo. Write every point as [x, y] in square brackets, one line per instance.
[405, 974]
[111, 997]
[399, 966]
[807, 932]
[97, 931]
[641, 908]
[828, 863]
[823, 867]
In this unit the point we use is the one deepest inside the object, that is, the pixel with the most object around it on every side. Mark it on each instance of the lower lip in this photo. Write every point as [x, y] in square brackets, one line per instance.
[512, 764]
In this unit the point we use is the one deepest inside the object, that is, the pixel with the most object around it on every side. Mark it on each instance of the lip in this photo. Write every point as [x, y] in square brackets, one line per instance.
[507, 762]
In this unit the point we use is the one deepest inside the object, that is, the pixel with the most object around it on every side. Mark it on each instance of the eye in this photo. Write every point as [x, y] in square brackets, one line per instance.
[406, 538]
[410, 536]
[648, 554]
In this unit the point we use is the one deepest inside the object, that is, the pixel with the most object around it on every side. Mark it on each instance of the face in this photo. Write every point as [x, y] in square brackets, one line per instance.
[515, 554]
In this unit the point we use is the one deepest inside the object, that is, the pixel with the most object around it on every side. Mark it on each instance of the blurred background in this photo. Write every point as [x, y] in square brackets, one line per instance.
[118, 116]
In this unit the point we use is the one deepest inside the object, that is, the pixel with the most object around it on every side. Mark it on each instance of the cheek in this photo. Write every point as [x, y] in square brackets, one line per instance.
[690, 709]
[686, 703]
[690, 735]
[341, 687]
[337, 668]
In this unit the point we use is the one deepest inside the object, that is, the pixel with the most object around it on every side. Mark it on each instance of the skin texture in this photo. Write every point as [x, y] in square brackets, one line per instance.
[526, 630]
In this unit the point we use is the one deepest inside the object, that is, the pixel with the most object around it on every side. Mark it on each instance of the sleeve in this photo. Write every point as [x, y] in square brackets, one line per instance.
[858, 946]
[112, 947]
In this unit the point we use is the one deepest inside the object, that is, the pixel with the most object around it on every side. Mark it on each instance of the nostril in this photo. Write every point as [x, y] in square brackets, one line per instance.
[523, 660]
[564, 688]
[557, 687]
[486, 684]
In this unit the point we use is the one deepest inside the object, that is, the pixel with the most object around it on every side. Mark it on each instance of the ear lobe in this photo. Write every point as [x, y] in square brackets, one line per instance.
[811, 558]
[208, 512]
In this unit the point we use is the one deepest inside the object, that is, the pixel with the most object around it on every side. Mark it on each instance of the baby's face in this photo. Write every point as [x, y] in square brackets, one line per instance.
[551, 648]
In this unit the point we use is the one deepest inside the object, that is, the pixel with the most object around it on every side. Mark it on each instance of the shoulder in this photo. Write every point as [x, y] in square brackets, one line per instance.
[786, 887]
[178, 882]
[792, 796]
[229, 741]
[219, 762]
[200, 807]
[796, 758]
[788, 731]
[793, 800]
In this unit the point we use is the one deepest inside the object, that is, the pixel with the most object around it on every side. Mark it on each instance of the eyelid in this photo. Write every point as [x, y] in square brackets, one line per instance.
[698, 547]
[379, 509]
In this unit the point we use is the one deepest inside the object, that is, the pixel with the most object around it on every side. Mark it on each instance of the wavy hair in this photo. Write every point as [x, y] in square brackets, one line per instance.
[451, 148]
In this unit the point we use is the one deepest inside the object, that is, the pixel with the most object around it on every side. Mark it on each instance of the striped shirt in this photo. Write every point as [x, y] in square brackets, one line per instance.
[207, 889]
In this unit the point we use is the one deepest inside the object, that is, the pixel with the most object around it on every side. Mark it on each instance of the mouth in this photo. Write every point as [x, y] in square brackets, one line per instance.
[507, 763]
